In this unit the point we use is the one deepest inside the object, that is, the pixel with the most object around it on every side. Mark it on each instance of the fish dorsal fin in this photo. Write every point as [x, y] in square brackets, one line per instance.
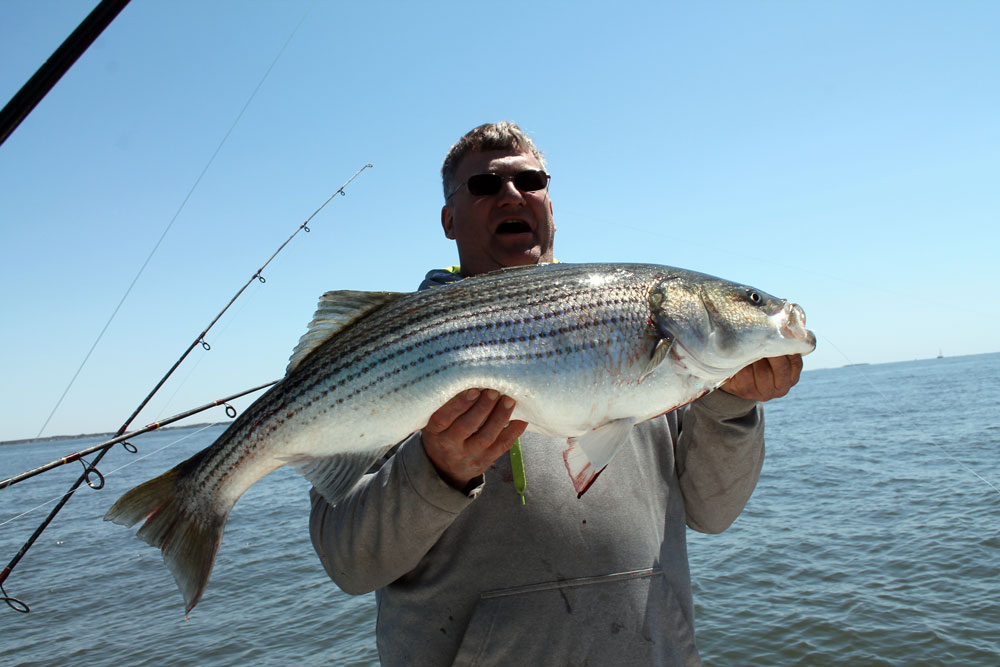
[335, 311]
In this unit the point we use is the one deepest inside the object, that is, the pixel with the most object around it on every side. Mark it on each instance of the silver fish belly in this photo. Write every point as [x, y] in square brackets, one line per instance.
[586, 351]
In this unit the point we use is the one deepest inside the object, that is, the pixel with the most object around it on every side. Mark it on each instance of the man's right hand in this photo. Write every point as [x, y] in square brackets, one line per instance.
[469, 433]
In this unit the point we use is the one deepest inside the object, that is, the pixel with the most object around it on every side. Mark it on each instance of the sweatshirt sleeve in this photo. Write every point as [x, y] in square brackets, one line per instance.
[719, 456]
[388, 522]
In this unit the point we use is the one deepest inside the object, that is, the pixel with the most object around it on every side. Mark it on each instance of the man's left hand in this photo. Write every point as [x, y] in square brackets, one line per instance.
[766, 379]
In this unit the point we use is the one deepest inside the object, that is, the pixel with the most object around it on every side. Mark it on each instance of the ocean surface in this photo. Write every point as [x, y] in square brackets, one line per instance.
[873, 538]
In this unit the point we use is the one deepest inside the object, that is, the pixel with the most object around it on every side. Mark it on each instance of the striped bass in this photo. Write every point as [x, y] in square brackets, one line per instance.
[586, 351]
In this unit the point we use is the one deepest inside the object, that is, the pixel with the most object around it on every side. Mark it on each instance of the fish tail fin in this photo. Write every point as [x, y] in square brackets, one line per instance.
[189, 540]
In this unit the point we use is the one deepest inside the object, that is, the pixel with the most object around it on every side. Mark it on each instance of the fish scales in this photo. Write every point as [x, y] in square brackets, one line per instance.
[585, 350]
[437, 337]
[512, 314]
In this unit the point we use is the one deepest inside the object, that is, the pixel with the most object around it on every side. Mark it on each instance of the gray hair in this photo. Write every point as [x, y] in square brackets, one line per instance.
[504, 135]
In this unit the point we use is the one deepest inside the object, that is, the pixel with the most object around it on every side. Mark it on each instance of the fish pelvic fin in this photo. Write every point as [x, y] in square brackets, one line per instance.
[586, 456]
[188, 540]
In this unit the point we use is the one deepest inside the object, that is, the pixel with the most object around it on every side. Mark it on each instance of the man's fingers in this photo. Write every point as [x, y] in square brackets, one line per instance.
[445, 416]
[742, 384]
[495, 421]
[795, 364]
[783, 375]
[767, 378]
[765, 375]
[469, 433]
[503, 441]
[472, 420]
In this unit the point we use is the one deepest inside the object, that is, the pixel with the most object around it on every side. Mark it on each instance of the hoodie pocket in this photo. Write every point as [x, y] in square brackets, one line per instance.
[626, 618]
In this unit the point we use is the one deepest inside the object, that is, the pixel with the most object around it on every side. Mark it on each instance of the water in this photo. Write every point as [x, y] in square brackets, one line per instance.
[870, 540]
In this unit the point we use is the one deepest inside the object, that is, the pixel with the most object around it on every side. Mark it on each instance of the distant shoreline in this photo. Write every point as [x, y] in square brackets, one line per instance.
[855, 365]
[106, 436]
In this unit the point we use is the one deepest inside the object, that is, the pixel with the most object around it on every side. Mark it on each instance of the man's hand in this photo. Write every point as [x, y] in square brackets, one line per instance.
[766, 379]
[468, 433]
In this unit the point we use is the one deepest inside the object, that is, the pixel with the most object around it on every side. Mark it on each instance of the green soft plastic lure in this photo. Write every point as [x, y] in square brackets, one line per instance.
[517, 468]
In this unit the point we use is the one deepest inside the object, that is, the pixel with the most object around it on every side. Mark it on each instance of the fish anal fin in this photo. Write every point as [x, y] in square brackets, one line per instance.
[587, 455]
[334, 476]
[335, 311]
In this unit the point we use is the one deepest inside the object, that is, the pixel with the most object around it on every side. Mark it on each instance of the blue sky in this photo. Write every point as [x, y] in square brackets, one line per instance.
[841, 154]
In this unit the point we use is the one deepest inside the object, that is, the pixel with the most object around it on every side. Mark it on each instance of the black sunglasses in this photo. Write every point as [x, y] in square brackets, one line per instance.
[481, 185]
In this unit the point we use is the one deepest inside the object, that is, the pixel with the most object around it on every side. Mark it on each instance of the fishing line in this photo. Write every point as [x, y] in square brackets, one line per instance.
[182, 383]
[124, 438]
[135, 460]
[764, 260]
[170, 224]
[27, 512]
[110, 473]
[91, 468]
[194, 367]
[221, 335]
[744, 256]
[200, 339]
[20, 606]
[889, 402]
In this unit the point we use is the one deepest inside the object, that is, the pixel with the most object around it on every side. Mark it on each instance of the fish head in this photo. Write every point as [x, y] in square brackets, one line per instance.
[723, 326]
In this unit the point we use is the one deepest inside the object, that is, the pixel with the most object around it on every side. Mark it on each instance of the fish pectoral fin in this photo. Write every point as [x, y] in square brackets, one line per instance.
[663, 345]
[334, 476]
[335, 311]
[586, 456]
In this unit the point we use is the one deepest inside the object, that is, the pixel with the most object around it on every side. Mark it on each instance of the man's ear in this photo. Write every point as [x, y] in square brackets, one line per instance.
[448, 222]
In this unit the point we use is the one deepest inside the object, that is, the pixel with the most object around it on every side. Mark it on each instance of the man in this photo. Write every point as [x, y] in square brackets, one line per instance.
[463, 572]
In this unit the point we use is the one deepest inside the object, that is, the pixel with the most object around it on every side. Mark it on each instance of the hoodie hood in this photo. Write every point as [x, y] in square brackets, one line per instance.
[440, 277]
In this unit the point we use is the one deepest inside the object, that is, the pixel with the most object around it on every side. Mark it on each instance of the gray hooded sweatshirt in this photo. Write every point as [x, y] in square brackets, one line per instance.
[476, 578]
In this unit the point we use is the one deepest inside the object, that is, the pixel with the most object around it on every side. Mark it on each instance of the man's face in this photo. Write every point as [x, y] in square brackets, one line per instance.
[510, 228]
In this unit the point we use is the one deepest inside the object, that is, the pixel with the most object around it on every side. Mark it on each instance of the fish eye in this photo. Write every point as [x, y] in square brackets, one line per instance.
[754, 297]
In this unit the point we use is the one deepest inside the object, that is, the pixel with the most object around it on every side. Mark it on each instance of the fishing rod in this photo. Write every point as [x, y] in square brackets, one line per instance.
[77, 456]
[19, 605]
[91, 468]
[48, 75]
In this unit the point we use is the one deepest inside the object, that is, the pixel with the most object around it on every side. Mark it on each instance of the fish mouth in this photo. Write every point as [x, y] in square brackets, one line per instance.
[789, 323]
[793, 326]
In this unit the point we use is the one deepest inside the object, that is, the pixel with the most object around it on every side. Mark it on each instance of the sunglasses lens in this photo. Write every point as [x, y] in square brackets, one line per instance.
[530, 180]
[484, 184]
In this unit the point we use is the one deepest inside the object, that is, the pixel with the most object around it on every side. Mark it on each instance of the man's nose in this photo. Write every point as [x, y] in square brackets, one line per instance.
[509, 193]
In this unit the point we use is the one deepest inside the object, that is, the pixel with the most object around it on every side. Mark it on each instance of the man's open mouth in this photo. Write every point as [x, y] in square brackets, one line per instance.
[514, 227]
